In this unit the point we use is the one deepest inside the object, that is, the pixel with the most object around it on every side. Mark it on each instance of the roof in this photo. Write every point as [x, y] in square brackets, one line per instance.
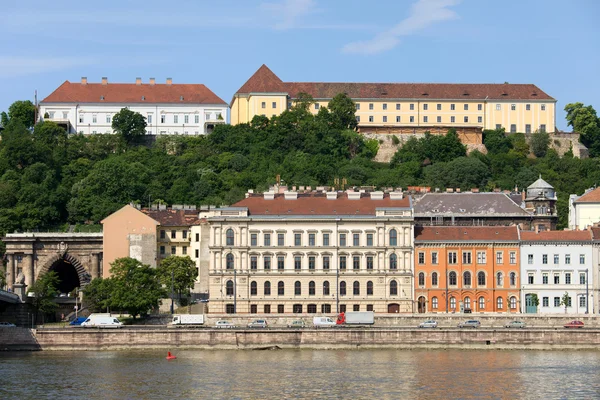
[467, 233]
[556, 236]
[318, 204]
[158, 93]
[172, 217]
[593, 196]
[596, 234]
[540, 184]
[265, 81]
[483, 205]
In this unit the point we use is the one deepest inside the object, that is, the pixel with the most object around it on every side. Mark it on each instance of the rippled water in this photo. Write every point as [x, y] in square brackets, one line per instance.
[302, 374]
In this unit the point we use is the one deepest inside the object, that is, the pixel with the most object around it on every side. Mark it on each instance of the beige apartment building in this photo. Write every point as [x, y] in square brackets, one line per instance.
[312, 252]
[407, 108]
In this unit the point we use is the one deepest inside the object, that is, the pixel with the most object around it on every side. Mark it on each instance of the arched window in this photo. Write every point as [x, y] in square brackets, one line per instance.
[452, 278]
[326, 288]
[311, 288]
[513, 279]
[393, 238]
[434, 303]
[393, 288]
[229, 288]
[434, 279]
[229, 261]
[356, 288]
[499, 279]
[513, 303]
[253, 288]
[467, 303]
[369, 288]
[229, 236]
[482, 303]
[481, 278]
[297, 288]
[280, 288]
[267, 289]
[499, 303]
[421, 279]
[393, 261]
[342, 288]
[467, 278]
[453, 303]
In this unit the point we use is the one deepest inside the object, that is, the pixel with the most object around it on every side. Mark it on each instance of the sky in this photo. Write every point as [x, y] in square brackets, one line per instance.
[551, 43]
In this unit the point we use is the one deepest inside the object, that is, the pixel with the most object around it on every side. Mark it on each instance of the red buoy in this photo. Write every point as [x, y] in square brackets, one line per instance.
[170, 356]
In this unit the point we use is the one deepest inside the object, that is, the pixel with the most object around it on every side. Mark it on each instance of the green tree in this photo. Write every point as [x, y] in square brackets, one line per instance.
[130, 125]
[98, 295]
[137, 288]
[565, 301]
[584, 120]
[535, 301]
[2, 277]
[539, 143]
[343, 111]
[179, 273]
[42, 293]
[23, 111]
[496, 142]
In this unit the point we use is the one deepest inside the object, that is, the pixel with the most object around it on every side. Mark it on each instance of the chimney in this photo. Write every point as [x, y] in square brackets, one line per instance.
[378, 195]
[523, 196]
[169, 81]
[290, 195]
[396, 196]
[138, 81]
[83, 80]
[104, 80]
[152, 81]
[331, 195]
[269, 195]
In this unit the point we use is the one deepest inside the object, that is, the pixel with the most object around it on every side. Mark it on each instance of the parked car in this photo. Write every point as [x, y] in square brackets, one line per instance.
[428, 324]
[297, 324]
[515, 324]
[6, 325]
[224, 324]
[258, 323]
[574, 324]
[78, 321]
[472, 323]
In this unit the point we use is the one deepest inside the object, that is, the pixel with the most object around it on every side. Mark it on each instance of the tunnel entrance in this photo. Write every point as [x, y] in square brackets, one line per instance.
[67, 276]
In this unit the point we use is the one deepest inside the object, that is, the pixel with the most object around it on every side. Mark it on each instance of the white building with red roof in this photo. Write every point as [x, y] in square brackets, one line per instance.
[169, 108]
[584, 210]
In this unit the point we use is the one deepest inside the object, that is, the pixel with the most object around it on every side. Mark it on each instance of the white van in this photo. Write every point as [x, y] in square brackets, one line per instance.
[101, 321]
[320, 322]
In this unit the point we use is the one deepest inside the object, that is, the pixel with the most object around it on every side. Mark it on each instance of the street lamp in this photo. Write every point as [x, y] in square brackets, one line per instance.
[337, 291]
[172, 284]
[235, 291]
[587, 294]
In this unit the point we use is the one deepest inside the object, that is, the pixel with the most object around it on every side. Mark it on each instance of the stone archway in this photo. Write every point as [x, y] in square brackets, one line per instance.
[65, 265]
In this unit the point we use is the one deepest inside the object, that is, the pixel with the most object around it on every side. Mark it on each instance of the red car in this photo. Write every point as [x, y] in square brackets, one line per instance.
[574, 324]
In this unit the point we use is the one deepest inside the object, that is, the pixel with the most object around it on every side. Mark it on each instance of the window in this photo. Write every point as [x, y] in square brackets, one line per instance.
[317, 106]
[545, 301]
[173, 234]
[175, 119]
[267, 288]
[530, 279]
[342, 262]
[544, 278]
[467, 279]
[582, 279]
[581, 301]
[556, 279]
[498, 107]
[513, 128]
[267, 309]
[297, 288]
[274, 104]
[369, 288]
[311, 262]
[311, 239]
[582, 259]
[556, 259]
[326, 288]
[267, 263]
[452, 257]
[499, 303]
[513, 107]
[280, 263]
[466, 107]
[439, 107]
[384, 106]
[421, 279]
[397, 106]
[263, 105]
[481, 257]
[326, 308]
[342, 288]
[393, 288]
[393, 237]
[421, 257]
[398, 119]
[355, 239]
[369, 239]
[162, 250]
[384, 118]
[452, 278]
[370, 106]
[411, 107]
[568, 278]
[425, 107]
[543, 107]
[229, 288]
[557, 302]
[197, 253]
[108, 118]
[481, 278]
[499, 279]
[498, 127]
[358, 106]
[173, 250]
[393, 261]
[567, 259]
[529, 258]
[356, 262]
[229, 237]
[439, 119]
[196, 119]
[479, 107]
[280, 308]
[163, 118]
[186, 119]
[452, 119]
[543, 128]
[253, 288]
[253, 262]
[569, 301]
[466, 119]
[545, 259]
[434, 279]
[267, 239]
[466, 257]
[479, 120]
[527, 128]
[326, 262]
[80, 118]
[356, 288]
[280, 239]
[482, 303]
[297, 263]
[467, 302]
[280, 288]
[513, 303]
[342, 239]
[297, 239]
[311, 289]
[425, 119]
[369, 262]
[452, 107]
[434, 303]
[184, 250]
[326, 239]
[434, 258]
[94, 118]
[499, 257]
[163, 234]
[411, 119]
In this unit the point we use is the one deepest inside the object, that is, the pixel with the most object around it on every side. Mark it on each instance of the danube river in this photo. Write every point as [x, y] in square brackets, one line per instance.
[301, 374]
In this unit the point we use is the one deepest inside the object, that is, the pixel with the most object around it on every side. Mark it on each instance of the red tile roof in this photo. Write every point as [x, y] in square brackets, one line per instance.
[317, 204]
[556, 236]
[466, 233]
[70, 92]
[596, 234]
[265, 81]
[172, 217]
[592, 196]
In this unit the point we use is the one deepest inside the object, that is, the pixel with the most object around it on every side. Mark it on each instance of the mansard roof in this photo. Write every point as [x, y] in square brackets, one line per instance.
[556, 236]
[481, 205]
[171, 217]
[466, 234]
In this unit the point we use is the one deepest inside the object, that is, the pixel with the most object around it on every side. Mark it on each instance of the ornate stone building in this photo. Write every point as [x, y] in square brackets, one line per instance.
[541, 203]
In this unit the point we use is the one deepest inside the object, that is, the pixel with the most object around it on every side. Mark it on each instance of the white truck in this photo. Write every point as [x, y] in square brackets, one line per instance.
[322, 322]
[188, 319]
[356, 318]
[101, 321]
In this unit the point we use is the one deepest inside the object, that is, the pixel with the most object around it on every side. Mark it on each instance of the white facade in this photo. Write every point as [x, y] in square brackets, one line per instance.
[550, 269]
[584, 211]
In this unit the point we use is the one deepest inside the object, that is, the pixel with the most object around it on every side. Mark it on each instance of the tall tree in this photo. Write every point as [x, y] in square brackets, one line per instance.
[97, 295]
[179, 273]
[23, 111]
[343, 111]
[584, 120]
[539, 143]
[130, 125]
[42, 293]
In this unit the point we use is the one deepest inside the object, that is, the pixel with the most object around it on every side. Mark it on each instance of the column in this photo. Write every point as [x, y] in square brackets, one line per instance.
[29, 271]
[10, 271]
[95, 272]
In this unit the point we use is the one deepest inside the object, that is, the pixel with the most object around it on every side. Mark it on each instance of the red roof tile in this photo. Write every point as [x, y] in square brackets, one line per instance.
[264, 81]
[317, 204]
[172, 217]
[556, 236]
[596, 234]
[70, 92]
[466, 233]
[592, 196]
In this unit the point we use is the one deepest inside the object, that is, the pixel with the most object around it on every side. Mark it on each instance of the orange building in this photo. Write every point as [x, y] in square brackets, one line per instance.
[467, 269]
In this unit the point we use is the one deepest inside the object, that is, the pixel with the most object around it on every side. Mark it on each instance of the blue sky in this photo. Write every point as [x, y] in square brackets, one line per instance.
[553, 44]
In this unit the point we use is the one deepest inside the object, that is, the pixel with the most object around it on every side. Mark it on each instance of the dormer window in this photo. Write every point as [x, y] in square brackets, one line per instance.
[143, 98]
[101, 97]
[181, 98]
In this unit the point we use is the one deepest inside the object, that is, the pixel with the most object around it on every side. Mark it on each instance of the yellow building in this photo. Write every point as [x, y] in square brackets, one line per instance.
[407, 107]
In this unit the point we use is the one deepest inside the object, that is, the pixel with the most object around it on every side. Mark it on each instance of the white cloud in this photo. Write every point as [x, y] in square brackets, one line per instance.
[289, 12]
[11, 66]
[423, 14]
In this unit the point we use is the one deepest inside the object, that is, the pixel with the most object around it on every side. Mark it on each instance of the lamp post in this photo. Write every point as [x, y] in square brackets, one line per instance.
[337, 290]
[76, 297]
[587, 293]
[234, 291]
[172, 284]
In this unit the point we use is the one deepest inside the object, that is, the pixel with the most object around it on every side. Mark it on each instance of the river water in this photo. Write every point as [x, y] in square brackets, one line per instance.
[301, 374]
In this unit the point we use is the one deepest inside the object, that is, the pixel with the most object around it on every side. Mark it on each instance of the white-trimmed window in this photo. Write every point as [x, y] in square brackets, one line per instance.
[481, 257]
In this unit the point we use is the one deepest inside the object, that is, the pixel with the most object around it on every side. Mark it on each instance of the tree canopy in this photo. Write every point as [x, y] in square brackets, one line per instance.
[128, 124]
[180, 272]
[22, 111]
[584, 120]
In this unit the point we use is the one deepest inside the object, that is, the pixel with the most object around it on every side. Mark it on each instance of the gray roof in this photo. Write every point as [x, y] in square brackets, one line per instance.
[467, 205]
[540, 184]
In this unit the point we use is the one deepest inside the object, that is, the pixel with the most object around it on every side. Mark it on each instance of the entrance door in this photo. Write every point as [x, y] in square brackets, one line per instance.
[422, 307]
[530, 307]
[393, 308]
